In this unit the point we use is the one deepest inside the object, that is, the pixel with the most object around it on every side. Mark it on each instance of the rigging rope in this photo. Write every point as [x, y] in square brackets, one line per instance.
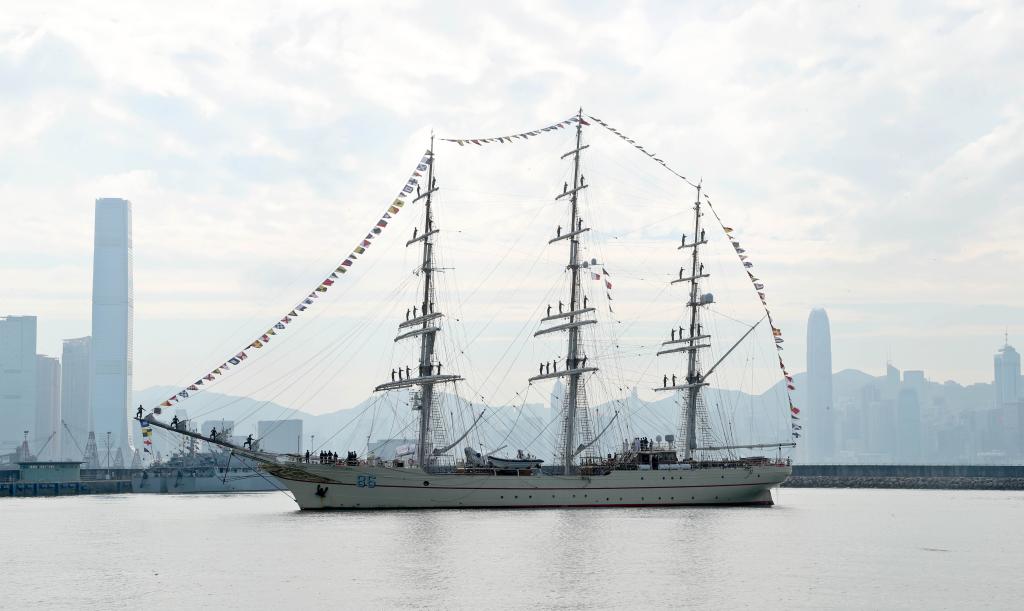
[359, 250]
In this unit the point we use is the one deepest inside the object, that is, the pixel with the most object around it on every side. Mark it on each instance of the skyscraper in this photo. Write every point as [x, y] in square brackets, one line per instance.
[47, 421]
[819, 415]
[112, 322]
[1007, 370]
[76, 395]
[17, 380]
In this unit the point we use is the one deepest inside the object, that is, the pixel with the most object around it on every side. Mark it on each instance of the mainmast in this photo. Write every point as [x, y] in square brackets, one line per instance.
[695, 339]
[423, 322]
[575, 361]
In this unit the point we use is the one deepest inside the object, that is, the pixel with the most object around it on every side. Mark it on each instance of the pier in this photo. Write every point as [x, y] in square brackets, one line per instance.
[935, 477]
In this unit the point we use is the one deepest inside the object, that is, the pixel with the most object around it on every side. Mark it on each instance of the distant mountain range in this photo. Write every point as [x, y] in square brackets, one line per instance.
[748, 418]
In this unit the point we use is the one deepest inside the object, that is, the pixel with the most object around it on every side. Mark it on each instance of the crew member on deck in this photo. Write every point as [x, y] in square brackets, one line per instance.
[138, 415]
[213, 434]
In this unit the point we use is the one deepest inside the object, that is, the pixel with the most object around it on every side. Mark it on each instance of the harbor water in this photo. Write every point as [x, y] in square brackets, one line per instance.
[816, 549]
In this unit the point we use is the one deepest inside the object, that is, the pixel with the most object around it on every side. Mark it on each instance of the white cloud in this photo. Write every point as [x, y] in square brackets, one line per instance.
[869, 154]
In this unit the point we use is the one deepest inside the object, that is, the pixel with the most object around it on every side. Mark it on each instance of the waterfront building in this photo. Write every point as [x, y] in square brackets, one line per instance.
[76, 395]
[284, 436]
[17, 380]
[819, 415]
[112, 324]
[908, 426]
[1007, 375]
[47, 420]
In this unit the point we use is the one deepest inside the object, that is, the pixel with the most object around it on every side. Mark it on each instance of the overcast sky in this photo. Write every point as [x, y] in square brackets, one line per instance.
[869, 155]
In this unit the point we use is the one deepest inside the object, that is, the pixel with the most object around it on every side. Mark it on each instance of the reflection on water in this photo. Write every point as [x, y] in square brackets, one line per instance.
[816, 549]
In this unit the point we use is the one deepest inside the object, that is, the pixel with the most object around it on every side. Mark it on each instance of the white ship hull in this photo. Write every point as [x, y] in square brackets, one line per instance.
[362, 487]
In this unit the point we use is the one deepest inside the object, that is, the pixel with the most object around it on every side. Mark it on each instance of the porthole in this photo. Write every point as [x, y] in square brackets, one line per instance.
[425, 483]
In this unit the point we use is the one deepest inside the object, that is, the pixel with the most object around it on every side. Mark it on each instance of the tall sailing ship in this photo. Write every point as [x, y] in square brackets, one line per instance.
[682, 468]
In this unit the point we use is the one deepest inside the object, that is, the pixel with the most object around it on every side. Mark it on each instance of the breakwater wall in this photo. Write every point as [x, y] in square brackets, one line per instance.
[936, 477]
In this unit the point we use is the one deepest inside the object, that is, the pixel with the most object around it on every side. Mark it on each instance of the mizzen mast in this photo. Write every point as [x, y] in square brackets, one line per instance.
[423, 321]
[575, 360]
[693, 341]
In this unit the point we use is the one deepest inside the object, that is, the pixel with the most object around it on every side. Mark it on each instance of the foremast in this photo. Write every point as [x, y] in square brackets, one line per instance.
[694, 340]
[575, 360]
[423, 323]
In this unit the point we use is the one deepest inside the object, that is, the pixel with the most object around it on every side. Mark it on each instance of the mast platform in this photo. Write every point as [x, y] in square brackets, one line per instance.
[685, 340]
[416, 332]
[691, 278]
[684, 349]
[566, 236]
[571, 192]
[417, 381]
[574, 151]
[412, 322]
[424, 194]
[422, 237]
[566, 314]
[680, 387]
[692, 244]
[563, 327]
[563, 373]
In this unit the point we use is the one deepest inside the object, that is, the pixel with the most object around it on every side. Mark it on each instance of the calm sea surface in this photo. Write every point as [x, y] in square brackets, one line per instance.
[816, 549]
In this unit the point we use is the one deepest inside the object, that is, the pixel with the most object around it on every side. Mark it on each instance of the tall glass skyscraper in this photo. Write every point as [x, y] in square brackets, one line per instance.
[47, 428]
[819, 415]
[1007, 373]
[112, 323]
[76, 394]
[17, 380]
